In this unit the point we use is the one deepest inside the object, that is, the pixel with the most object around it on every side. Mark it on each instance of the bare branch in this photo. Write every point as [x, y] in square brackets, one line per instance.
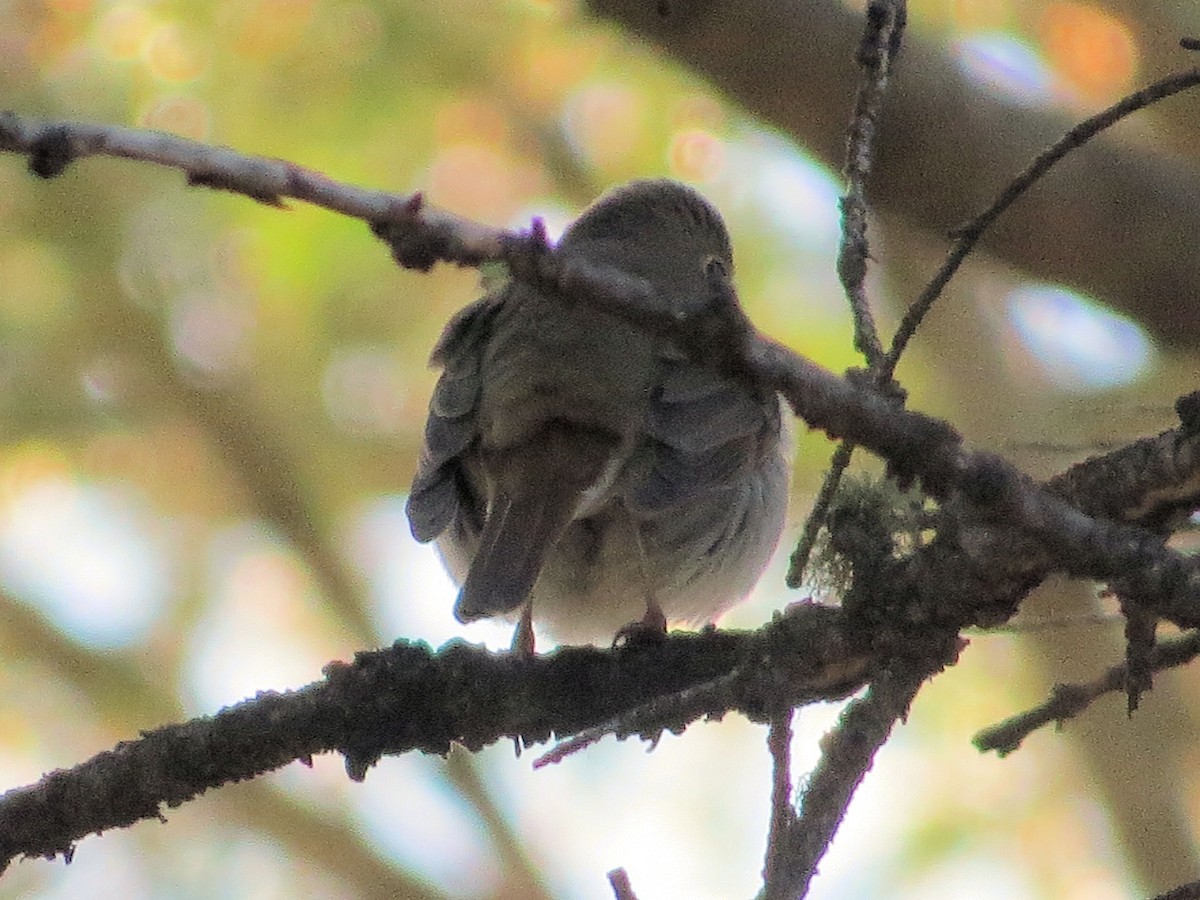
[798, 561]
[783, 814]
[688, 704]
[916, 446]
[847, 753]
[881, 38]
[970, 233]
[1068, 700]
[52, 146]
[880, 43]
[618, 879]
[407, 698]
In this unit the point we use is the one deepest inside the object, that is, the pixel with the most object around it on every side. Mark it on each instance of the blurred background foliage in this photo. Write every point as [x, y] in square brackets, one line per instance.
[210, 410]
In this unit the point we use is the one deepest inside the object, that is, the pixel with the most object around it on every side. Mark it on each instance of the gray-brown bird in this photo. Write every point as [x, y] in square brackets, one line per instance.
[580, 471]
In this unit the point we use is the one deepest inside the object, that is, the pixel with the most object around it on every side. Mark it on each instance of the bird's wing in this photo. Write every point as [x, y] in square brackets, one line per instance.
[705, 432]
[440, 489]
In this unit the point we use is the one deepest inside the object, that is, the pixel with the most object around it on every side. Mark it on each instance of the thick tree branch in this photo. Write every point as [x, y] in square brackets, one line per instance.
[407, 698]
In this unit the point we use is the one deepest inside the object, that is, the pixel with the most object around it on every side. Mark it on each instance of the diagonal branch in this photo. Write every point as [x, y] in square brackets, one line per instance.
[847, 753]
[946, 142]
[52, 146]
[1069, 700]
[916, 446]
[968, 235]
[783, 813]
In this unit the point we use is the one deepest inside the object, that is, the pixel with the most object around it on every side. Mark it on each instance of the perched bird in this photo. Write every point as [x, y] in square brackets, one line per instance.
[578, 470]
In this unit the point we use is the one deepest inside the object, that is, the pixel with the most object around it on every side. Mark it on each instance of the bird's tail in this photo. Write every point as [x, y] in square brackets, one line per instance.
[538, 487]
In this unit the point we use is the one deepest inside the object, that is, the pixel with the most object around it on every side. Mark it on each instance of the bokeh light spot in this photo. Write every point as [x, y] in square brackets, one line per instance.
[1090, 47]
[55, 45]
[546, 69]
[434, 832]
[211, 332]
[70, 7]
[265, 28]
[262, 628]
[697, 111]
[469, 120]
[604, 123]
[172, 56]
[696, 155]
[1079, 344]
[365, 391]
[473, 180]
[1006, 67]
[85, 555]
[123, 30]
[792, 192]
[101, 381]
[28, 463]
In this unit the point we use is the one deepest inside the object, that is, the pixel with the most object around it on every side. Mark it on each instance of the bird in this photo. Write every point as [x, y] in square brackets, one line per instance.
[578, 470]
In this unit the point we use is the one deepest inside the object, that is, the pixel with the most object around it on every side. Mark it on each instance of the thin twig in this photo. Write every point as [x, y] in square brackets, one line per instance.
[848, 752]
[52, 146]
[685, 703]
[798, 562]
[622, 889]
[968, 235]
[1140, 638]
[884, 27]
[1069, 700]
[783, 814]
[880, 44]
